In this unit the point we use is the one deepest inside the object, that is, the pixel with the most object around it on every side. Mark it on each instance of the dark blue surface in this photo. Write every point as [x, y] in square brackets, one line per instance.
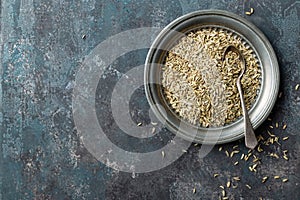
[42, 156]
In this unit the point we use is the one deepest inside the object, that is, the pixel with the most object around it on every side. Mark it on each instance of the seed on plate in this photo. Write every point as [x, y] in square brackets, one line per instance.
[285, 157]
[139, 124]
[271, 126]
[163, 154]
[276, 125]
[280, 95]
[216, 175]
[83, 37]
[184, 151]
[297, 86]
[220, 148]
[236, 146]
[194, 190]
[276, 177]
[222, 187]
[236, 178]
[236, 163]
[248, 186]
[154, 123]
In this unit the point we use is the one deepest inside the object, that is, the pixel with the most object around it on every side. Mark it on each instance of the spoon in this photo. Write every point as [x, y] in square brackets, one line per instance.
[250, 138]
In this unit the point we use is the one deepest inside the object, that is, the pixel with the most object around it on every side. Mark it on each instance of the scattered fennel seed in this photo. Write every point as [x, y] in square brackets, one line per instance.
[297, 86]
[228, 184]
[250, 12]
[220, 148]
[259, 149]
[153, 130]
[284, 126]
[163, 154]
[285, 138]
[223, 193]
[187, 83]
[222, 187]
[236, 163]
[285, 180]
[264, 179]
[276, 177]
[194, 190]
[216, 175]
[248, 186]
[154, 123]
[242, 157]
[276, 125]
[139, 124]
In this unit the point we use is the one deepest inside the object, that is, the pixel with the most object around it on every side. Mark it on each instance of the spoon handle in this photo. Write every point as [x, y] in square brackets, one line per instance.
[250, 138]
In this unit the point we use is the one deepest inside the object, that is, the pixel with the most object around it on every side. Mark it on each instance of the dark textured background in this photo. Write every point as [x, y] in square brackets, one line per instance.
[41, 153]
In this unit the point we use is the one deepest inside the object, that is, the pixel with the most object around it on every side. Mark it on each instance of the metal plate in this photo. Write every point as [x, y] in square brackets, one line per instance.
[215, 18]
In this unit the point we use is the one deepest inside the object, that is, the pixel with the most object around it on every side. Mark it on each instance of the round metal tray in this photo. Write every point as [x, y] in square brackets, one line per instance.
[240, 26]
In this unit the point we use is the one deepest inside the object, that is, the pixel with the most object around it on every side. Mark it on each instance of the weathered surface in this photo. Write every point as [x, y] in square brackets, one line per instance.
[42, 156]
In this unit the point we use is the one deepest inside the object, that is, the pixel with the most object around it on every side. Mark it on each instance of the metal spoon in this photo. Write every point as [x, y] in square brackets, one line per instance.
[250, 138]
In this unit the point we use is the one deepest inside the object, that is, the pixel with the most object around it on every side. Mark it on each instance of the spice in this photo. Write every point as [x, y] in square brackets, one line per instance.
[264, 179]
[297, 87]
[250, 12]
[139, 124]
[285, 138]
[199, 85]
[153, 130]
[285, 180]
[284, 127]
[228, 184]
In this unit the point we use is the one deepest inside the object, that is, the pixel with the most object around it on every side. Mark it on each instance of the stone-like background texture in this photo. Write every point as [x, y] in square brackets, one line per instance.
[42, 156]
